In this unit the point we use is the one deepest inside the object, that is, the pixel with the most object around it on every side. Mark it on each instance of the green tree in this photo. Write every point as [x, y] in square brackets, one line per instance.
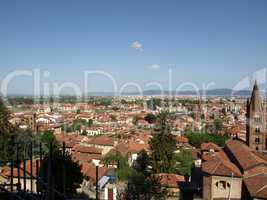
[218, 139]
[139, 102]
[48, 138]
[123, 170]
[5, 126]
[113, 117]
[62, 168]
[141, 183]
[90, 123]
[51, 100]
[123, 101]
[142, 163]
[135, 120]
[185, 162]
[115, 108]
[26, 138]
[162, 146]
[84, 133]
[69, 129]
[7, 133]
[41, 100]
[196, 138]
[77, 127]
[144, 188]
[150, 118]
[104, 101]
[153, 103]
[10, 135]
[217, 123]
[14, 101]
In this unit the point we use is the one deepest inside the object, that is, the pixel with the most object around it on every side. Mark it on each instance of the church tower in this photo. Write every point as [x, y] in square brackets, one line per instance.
[256, 122]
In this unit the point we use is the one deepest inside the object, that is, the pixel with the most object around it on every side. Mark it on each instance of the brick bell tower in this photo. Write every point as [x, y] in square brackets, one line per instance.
[256, 121]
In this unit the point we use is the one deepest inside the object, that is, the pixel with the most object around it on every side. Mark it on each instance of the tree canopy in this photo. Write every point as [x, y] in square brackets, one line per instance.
[63, 169]
[153, 103]
[162, 146]
[48, 138]
[123, 170]
[150, 118]
[141, 182]
[196, 138]
[217, 124]
[184, 162]
[8, 133]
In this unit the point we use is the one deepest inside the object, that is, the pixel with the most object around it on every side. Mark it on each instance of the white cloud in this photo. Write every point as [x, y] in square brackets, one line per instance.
[137, 46]
[154, 66]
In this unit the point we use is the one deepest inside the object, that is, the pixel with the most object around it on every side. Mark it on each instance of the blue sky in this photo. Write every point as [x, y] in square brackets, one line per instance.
[201, 41]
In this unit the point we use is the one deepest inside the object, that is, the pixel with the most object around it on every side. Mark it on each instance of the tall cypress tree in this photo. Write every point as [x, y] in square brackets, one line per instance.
[6, 130]
[4, 118]
[162, 146]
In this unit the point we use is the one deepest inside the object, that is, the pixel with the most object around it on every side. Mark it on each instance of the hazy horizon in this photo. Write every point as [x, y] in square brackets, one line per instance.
[136, 43]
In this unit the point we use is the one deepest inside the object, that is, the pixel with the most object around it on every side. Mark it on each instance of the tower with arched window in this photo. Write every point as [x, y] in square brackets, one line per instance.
[256, 121]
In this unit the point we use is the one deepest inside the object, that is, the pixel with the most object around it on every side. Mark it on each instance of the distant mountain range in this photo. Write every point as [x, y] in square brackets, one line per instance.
[212, 92]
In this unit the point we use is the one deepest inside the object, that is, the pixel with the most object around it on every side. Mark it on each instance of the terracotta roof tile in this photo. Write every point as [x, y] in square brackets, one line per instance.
[7, 170]
[170, 180]
[84, 149]
[122, 148]
[180, 139]
[209, 145]
[89, 170]
[102, 140]
[243, 154]
[137, 147]
[257, 185]
[220, 167]
[82, 157]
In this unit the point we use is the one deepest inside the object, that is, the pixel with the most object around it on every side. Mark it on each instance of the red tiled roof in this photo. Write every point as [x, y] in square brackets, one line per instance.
[84, 149]
[181, 139]
[142, 137]
[102, 140]
[262, 155]
[208, 146]
[207, 156]
[7, 170]
[69, 139]
[82, 157]
[122, 148]
[170, 180]
[257, 185]
[220, 154]
[243, 155]
[89, 170]
[137, 147]
[220, 167]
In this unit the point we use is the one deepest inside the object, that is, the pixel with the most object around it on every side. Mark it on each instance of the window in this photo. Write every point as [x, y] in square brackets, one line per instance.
[257, 119]
[257, 130]
[222, 185]
[257, 140]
